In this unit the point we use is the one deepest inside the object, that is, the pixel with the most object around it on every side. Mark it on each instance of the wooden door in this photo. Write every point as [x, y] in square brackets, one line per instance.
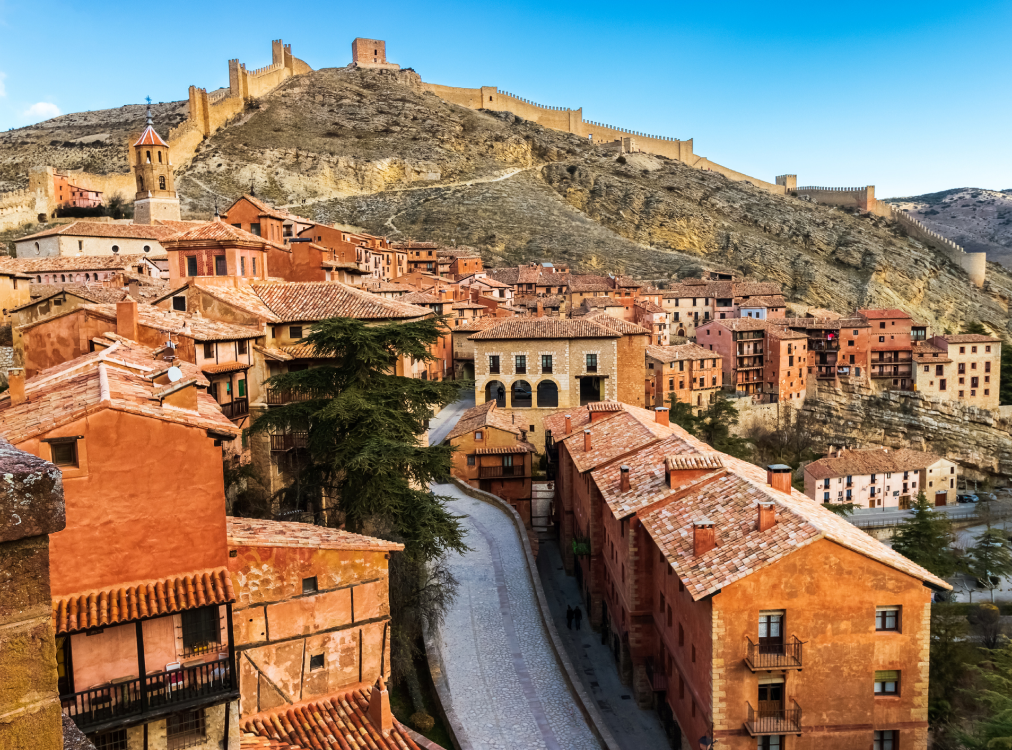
[941, 498]
[771, 699]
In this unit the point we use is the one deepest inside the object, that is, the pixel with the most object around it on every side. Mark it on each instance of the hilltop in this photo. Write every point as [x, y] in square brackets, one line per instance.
[371, 148]
[977, 219]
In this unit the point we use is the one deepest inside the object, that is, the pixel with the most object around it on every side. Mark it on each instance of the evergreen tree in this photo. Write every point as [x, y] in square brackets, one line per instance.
[993, 694]
[989, 557]
[714, 427]
[681, 414]
[364, 453]
[926, 539]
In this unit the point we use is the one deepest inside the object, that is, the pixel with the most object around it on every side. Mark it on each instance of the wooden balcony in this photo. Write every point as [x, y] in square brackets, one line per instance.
[502, 472]
[287, 441]
[282, 396]
[237, 407]
[768, 657]
[138, 700]
[773, 717]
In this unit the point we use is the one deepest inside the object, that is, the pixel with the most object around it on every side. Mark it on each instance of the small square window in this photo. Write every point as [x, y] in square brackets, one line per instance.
[478, 435]
[295, 332]
[887, 739]
[208, 350]
[179, 304]
[887, 618]
[309, 585]
[470, 460]
[64, 454]
[316, 662]
[887, 682]
[241, 347]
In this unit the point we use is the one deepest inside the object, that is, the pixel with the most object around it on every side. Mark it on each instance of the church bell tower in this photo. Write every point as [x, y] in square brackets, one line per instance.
[156, 194]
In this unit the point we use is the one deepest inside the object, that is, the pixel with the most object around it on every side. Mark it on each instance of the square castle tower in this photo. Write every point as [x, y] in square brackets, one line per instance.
[371, 53]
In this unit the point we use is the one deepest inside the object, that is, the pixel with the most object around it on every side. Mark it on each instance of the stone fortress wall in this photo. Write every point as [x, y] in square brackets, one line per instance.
[208, 113]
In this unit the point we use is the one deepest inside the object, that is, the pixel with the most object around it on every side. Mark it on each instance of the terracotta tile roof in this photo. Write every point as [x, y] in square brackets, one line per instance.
[880, 314]
[488, 281]
[614, 436]
[517, 447]
[649, 307]
[762, 301]
[579, 418]
[421, 298]
[150, 138]
[118, 378]
[871, 461]
[590, 303]
[545, 328]
[93, 294]
[339, 721]
[753, 289]
[680, 351]
[127, 602]
[694, 462]
[516, 275]
[828, 324]
[303, 351]
[387, 286]
[35, 266]
[548, 301]
[616, 324]
[318, 300]
[272, 353]
[969, 338]
[169, 321]
[605, 406]
[257, 532]
[266, 209]
[625, 282]
[928, 353]
[776, 332]
[219, 231]
[220, 368]
[589, 283]
[108, 229]
[242, 297]
[740, 324]
[699, 290]
[728, 500]
[466, 306]
[477, 324]
[481, 417]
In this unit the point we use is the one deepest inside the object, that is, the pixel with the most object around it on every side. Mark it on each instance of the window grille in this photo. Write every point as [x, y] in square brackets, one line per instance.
[186, 729]
[114, 740]
[201, 631]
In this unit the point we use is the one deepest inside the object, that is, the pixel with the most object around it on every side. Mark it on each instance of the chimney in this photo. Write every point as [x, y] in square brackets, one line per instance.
[624, 484]
[778, 476]
[569, 423]
[541, 308]
[767, 516]
[126, 319]
[661, 415]
[704, 536]
[16, 385]
[586, 441]
[379, 708]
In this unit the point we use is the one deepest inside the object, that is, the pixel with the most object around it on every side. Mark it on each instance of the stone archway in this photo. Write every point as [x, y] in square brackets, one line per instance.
[496, 391]
[548, 394]
[521, 395]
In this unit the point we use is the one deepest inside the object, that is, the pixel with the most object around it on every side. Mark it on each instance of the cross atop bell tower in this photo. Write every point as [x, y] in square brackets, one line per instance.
[156, 193]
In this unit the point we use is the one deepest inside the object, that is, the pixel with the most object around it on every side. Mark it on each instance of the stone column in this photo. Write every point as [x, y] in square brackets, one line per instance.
[31, 508]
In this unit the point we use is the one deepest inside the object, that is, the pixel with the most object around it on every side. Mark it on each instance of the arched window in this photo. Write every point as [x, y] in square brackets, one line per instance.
[87, 277]
[115, 248]
[37, 248]
[38, 279]
[149, 157]
[63, 277]
[496, 391]
[520, 398]
[548, 393]
[159, 157]
[161, 182]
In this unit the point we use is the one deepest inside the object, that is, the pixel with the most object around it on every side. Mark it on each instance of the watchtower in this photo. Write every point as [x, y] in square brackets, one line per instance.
[371, 53]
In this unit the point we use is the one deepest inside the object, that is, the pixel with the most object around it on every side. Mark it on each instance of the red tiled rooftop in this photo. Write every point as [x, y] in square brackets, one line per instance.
[257, 532]
[99, 608]
[545, 328]
[483, 416]
[969, 338]
[882, 314]
[150, 138]
[318, 300]
[108, 229]
[680, 351]
[58, 263]
[871, 461]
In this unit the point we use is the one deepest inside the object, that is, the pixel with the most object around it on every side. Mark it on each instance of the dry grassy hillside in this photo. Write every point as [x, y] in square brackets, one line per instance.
[979, 220]
[92, 141]
[371, 149]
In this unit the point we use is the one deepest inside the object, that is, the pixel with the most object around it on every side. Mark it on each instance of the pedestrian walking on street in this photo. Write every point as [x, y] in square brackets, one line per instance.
[577, 615]
[569, 617]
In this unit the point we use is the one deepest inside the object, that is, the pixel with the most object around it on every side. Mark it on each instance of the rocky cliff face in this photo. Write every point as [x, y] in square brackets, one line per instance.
[977, 439]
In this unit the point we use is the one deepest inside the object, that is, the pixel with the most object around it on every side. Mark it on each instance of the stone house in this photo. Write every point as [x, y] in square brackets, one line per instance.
[881, 478]
[690, 372]
[694, 302]
[533, 367]
[263, 220]
[97, 238]
[141, 597]
[312, 612]
[85, 269]
[491, 452]
[744, 654]
[890, 348]
[973, 372]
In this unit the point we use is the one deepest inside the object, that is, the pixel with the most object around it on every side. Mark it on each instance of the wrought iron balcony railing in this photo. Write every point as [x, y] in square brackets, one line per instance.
[774, 656]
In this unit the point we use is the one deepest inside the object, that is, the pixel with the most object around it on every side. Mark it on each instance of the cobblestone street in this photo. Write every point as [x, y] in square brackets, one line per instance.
[506, 687]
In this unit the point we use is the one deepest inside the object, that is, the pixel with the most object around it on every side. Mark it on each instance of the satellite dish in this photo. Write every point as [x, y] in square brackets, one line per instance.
[174, 374]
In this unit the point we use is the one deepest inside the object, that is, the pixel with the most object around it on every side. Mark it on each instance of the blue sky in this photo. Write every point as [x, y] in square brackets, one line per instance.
[910, 97]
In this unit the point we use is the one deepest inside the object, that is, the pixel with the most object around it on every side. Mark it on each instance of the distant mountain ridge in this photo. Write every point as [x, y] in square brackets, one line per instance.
[978, 219]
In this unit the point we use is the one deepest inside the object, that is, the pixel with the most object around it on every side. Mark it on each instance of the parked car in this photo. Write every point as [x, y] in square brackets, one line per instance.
[967, 499]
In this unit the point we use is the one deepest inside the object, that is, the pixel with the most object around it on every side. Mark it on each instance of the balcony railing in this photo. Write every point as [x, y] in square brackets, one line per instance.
[773, 656]
[773, 717]
[155, 694]
[824, 346]
[238, 407]
[282, 396]
[289, 440]
[501, 472]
